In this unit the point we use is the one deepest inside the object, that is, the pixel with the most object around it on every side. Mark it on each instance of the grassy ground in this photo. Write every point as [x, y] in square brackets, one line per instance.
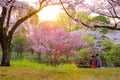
[22, 69]
[66, 72]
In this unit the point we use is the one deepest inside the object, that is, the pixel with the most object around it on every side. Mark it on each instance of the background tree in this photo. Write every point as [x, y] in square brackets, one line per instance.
[20, 42]
[66, 22]
[56, 42]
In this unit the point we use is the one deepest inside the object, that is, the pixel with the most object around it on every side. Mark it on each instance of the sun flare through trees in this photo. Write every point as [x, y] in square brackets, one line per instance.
[49, 13]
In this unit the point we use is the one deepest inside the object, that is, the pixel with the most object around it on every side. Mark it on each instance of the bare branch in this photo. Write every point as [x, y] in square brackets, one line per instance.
[112, 9]
[113, 16]
[41, 2]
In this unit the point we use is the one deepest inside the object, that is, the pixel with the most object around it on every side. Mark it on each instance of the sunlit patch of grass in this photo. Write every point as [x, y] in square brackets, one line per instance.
[69, 66]
[27, 63]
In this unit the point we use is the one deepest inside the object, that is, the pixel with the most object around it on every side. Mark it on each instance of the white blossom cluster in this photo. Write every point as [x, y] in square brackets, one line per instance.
[14, 3]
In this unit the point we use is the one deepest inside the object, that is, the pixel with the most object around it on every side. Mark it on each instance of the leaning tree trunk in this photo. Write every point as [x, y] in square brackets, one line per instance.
[6, 51]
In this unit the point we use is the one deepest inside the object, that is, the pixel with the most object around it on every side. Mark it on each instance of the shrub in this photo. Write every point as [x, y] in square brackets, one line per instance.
[112, 55]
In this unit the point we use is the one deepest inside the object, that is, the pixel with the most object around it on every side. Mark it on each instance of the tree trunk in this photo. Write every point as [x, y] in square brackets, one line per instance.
[5, 41]
[55, 60]
[6, 50]
[39, 57]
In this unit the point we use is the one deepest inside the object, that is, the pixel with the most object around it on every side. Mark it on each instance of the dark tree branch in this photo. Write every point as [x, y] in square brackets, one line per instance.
[9, 1]
[117, 1]
[112, 15]
[2, 20]
[114, 11]
[41, 2]
[109, 27]
[8, 17]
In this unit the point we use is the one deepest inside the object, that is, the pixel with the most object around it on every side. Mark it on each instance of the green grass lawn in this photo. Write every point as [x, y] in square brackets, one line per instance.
[23, 69]
[57, 73]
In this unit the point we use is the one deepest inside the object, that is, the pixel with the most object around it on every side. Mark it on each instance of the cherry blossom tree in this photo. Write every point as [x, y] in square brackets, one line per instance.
[11, 17]
[56, 42]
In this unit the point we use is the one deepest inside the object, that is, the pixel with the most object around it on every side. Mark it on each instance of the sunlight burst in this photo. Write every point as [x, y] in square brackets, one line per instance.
[49, 13]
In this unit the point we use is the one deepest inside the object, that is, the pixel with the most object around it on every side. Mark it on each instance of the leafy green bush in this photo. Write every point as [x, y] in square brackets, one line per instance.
[111, 55]
[83, 60]
[104, 30]
[89, 39]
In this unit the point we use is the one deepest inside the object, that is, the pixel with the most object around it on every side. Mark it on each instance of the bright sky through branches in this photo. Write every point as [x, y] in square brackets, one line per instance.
[49, 13]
